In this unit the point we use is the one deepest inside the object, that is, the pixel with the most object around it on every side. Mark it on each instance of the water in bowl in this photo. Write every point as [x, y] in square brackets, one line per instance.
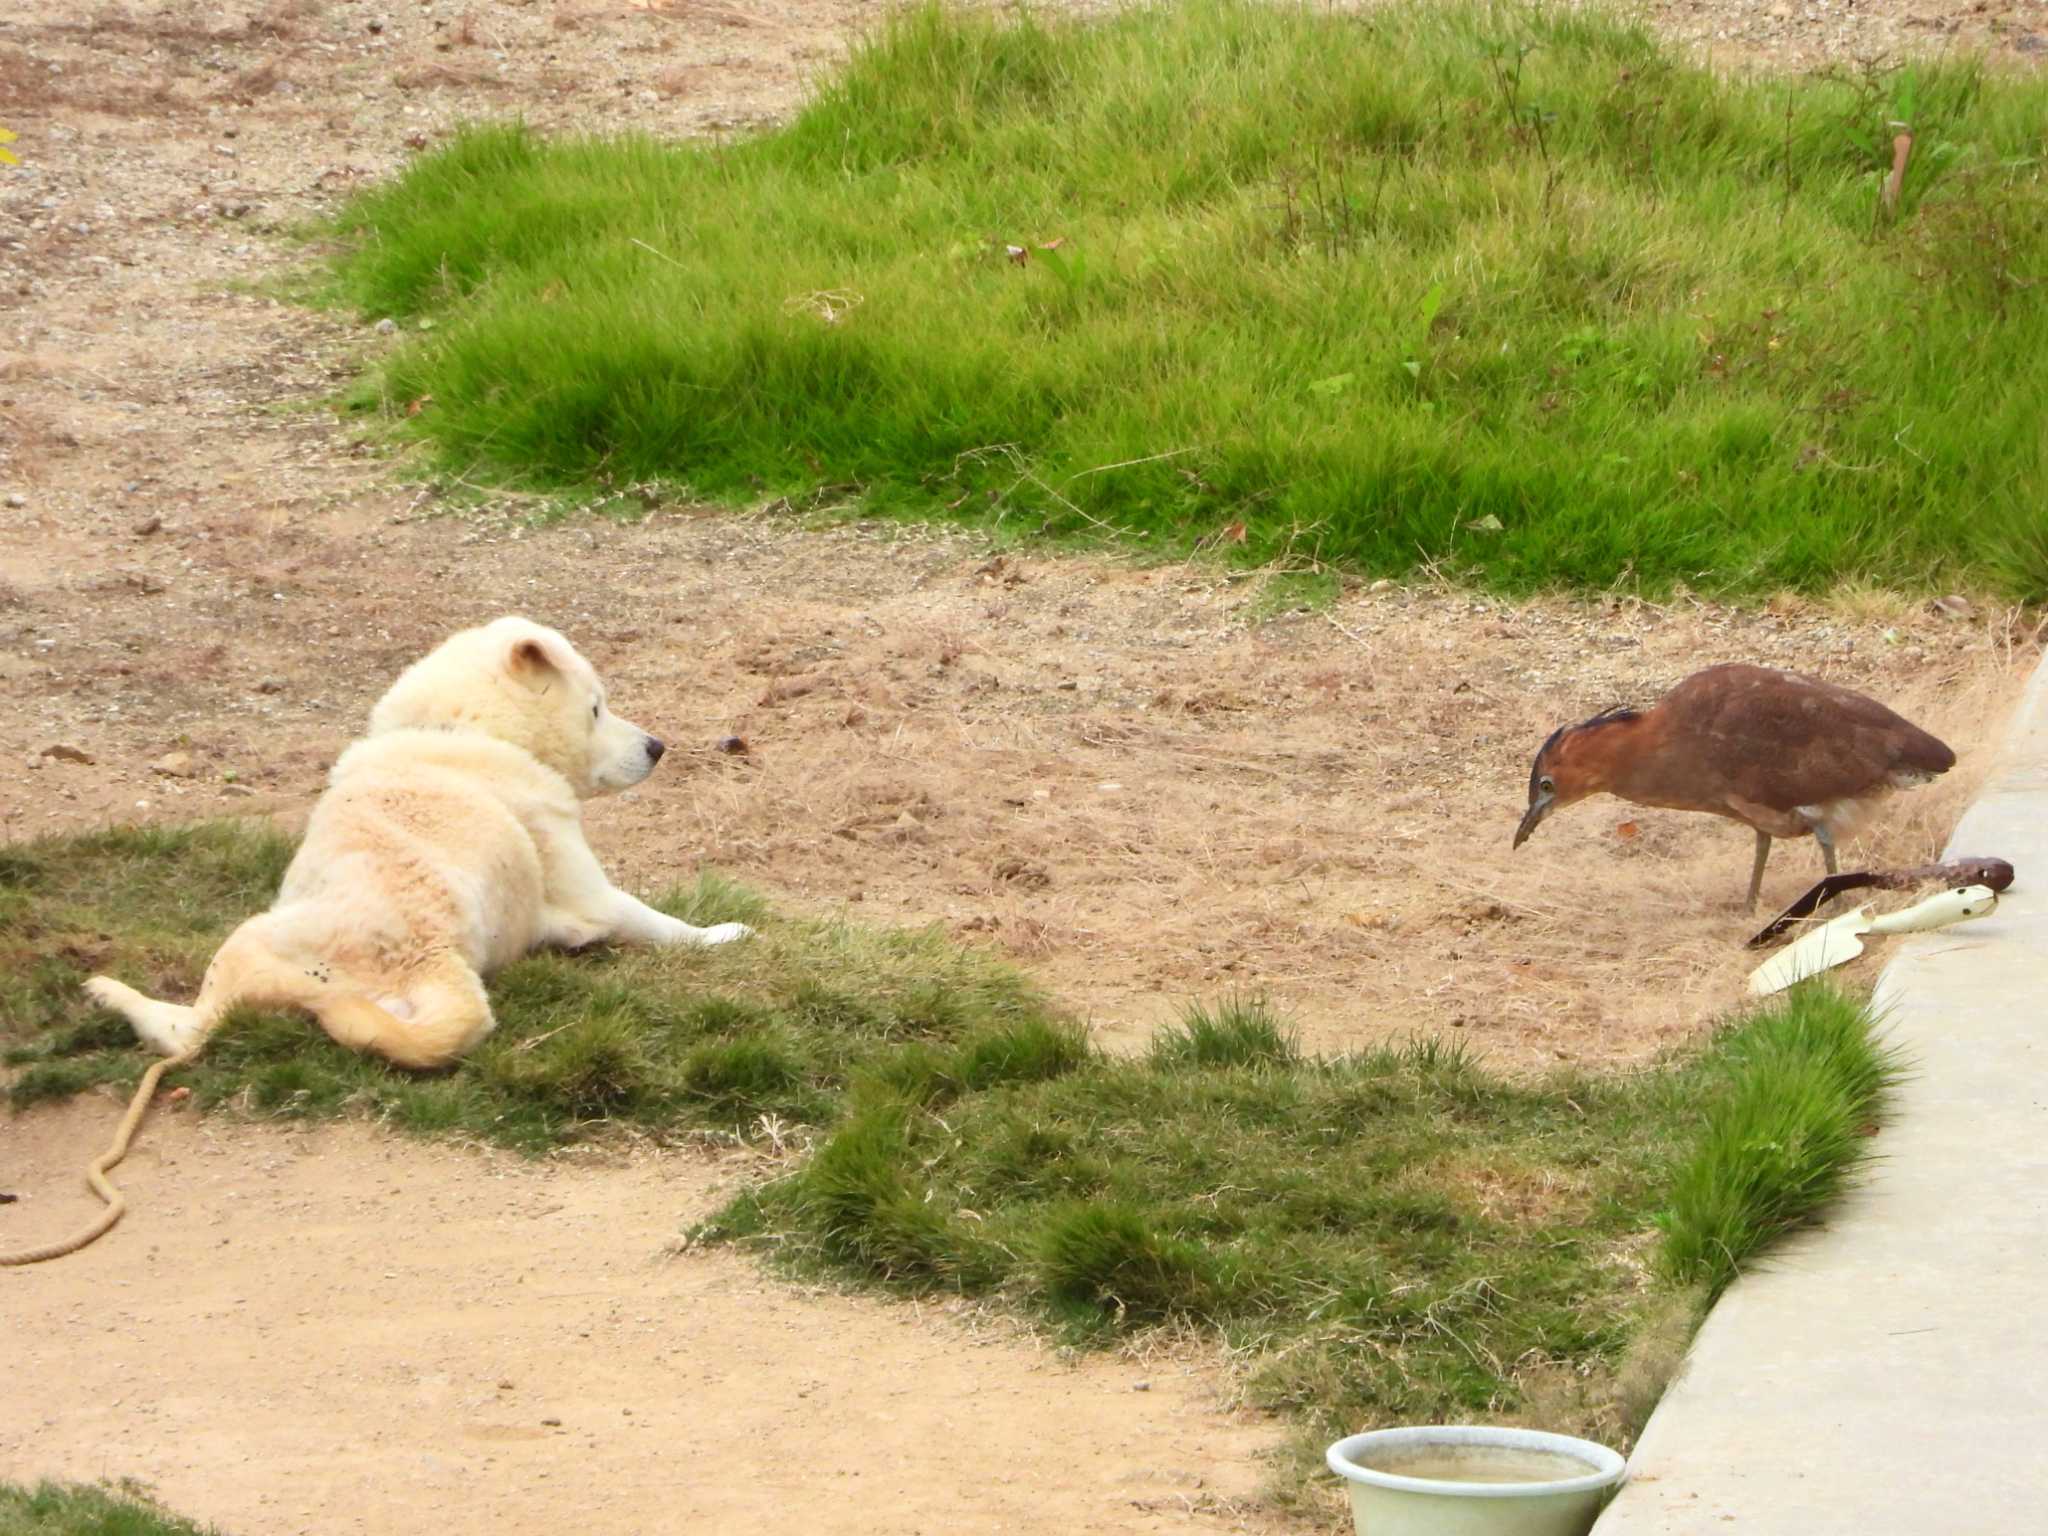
[1479, 1464]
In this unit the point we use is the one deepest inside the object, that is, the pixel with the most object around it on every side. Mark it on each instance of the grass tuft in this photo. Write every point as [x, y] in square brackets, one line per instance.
[1239, 1032]
[76, 1509]
[869, 1216]
[1788, 1129]
[1035, 1051]
[1514, 293]
[1107, 1260]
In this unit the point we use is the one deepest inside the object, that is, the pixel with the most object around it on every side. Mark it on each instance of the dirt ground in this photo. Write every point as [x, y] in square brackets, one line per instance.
[1133, 779]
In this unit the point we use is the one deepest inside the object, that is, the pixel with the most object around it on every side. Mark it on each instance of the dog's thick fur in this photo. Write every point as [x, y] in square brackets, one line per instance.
[449, 842]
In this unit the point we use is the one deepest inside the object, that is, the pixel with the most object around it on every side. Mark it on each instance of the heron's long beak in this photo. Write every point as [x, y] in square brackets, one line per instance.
[1538, 809]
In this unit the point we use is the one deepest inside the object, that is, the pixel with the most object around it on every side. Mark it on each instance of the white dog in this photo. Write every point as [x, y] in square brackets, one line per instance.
[448, 843]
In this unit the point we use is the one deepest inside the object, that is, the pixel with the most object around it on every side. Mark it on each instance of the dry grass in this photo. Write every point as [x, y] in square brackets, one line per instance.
[441, 76]
[1125, 784]
[25, 85]
[28, 443]
[251, 84]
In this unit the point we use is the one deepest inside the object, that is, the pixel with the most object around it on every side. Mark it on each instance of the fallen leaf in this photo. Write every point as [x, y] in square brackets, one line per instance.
[414, 407]
[1627, 831]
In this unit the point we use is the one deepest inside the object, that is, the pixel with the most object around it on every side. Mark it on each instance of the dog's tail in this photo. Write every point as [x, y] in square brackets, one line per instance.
[428, 1023]
[425, 1020]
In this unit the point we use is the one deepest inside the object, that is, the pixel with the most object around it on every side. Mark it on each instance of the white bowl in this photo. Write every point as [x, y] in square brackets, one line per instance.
[1462, 1496]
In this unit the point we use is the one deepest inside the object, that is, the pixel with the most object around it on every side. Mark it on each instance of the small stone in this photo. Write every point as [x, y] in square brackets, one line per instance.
[271, 685]
[236, 789]
[174, 765]
[17, 500]
[734, 746]
[1382, 585]
[1141, 1386]
[65, 751]
[386, 326]
[1954, 606]
[149, 525]
[552, 1423]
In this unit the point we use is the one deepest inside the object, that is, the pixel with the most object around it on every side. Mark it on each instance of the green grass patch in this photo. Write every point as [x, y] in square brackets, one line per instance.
[672, 1042]
[1517, 293]
[76, 1509]
[1395, 1234]
[1792, 1124]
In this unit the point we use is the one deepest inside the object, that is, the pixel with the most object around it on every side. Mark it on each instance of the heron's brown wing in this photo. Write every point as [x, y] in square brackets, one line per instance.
[1783, 740]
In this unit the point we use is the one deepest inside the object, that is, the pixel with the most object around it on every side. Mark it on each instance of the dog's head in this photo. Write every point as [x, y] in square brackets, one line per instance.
[522, 683]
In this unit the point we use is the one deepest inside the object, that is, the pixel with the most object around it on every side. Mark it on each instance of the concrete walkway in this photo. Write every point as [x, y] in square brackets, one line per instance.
[1889, 1372]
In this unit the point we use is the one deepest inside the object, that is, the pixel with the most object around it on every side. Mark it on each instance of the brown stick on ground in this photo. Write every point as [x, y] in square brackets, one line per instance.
[1995, 873]
[96, 1175]
[1902, 150]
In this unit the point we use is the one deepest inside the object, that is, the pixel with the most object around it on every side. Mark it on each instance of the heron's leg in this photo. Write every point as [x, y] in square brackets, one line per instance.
[1756, 873]
[1822, 836]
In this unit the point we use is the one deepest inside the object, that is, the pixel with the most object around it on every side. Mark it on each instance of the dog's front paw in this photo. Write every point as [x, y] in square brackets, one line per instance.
[725, 933]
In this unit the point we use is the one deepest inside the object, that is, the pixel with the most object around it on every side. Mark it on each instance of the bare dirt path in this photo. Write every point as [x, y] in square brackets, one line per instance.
[333, 1331]
[1130, 779]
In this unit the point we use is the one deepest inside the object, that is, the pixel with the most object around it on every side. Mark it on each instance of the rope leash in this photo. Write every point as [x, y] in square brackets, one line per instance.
[96, 1174]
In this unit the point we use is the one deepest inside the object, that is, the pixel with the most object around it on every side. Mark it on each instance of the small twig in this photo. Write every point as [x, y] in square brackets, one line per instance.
[1150, 458]
[1349, 634]
[530, 1043]
[664, 255]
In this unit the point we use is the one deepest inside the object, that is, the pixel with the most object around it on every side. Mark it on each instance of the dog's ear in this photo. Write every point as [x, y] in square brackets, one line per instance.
[533, 659]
